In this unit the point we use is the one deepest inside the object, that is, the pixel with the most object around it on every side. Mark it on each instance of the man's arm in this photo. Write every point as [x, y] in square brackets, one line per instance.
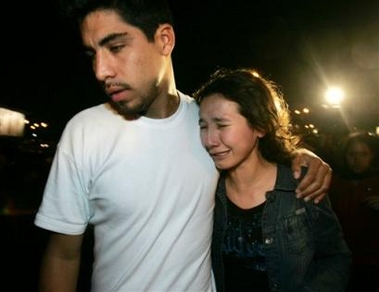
[61, 263]
[316, 181]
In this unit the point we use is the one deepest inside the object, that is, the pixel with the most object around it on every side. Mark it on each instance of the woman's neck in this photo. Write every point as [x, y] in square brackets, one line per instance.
[247, 186]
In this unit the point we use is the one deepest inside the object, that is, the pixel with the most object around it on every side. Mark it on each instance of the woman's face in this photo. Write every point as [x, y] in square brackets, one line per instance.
[225, 133]
[359, 157]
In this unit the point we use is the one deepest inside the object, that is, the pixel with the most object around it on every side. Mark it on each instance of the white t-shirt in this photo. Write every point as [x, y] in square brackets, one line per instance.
[148, 188]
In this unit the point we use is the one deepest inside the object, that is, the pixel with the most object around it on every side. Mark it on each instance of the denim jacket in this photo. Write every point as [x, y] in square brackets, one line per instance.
[304, 244]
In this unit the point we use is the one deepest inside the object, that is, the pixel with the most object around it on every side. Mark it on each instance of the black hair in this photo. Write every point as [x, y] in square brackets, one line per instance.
[146, 15]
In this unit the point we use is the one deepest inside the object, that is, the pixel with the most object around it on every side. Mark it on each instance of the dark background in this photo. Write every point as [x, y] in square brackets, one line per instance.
[303, 45]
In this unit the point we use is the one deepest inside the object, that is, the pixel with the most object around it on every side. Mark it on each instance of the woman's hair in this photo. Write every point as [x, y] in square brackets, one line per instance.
[146, 15]
[261, 103]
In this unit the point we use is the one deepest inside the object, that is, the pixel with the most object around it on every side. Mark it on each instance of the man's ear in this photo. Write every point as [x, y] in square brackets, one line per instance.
[165, 37]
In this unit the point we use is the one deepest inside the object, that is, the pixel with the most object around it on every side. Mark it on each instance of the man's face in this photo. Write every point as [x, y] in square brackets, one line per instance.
[127, 65]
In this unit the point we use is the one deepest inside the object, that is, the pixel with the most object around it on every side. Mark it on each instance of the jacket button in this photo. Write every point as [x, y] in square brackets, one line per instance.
[269, 240]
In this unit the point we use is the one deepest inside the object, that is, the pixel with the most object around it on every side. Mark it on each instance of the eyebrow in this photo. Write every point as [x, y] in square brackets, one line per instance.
[109, 38]
[112, 37]
[216, 119]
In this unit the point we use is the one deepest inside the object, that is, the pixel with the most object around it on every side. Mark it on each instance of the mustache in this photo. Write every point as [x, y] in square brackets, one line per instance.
[115, 85]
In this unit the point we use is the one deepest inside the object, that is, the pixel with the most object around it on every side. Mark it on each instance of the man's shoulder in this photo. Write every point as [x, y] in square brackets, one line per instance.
[92, 118]
[93, 113]
[187, 99]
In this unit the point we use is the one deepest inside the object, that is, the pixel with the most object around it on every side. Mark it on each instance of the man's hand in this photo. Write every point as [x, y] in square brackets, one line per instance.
[316, 181]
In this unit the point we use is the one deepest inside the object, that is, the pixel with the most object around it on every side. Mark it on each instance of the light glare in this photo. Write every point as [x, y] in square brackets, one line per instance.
[334, 95]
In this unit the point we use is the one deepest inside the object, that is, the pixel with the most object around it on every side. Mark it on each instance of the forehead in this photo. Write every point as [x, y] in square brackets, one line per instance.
[101, 23]
[217, 108]
[218, 101]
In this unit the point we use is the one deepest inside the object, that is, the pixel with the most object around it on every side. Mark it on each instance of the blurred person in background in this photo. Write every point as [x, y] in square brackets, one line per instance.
[354, 194]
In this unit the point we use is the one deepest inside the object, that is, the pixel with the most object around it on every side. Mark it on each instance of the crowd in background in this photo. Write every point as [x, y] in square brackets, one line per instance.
[354, 193]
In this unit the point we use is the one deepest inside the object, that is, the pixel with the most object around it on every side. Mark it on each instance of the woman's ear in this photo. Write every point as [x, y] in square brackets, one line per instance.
[165, 37]
[259, 133]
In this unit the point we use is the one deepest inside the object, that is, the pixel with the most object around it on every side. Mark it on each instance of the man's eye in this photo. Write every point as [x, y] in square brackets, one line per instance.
[115, 49]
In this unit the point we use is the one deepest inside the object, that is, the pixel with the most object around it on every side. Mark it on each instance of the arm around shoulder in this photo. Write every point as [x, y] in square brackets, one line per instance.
[317, 179]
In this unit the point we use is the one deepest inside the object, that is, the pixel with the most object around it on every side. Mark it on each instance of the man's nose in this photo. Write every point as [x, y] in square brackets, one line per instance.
[103, 67]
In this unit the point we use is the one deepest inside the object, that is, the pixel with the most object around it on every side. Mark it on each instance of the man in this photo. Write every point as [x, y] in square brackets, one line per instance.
[134, 168]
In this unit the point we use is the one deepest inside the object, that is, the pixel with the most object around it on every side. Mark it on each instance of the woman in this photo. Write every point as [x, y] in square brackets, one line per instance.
[264, 238]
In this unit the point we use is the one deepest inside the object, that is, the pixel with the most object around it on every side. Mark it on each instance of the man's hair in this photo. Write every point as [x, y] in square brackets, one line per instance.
[146, 15]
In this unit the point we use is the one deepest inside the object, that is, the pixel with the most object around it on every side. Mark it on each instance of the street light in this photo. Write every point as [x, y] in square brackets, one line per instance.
[334, 96]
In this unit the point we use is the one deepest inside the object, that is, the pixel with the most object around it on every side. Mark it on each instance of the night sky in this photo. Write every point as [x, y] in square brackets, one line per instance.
[302, 45]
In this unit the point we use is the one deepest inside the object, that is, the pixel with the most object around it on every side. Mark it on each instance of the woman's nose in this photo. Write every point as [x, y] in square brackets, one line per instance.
[210, 138]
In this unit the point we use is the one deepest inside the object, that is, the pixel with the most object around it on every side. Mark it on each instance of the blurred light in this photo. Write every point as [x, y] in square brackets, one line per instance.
[334, 95]
[306, 110]
[297, 112]
[11, 122]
